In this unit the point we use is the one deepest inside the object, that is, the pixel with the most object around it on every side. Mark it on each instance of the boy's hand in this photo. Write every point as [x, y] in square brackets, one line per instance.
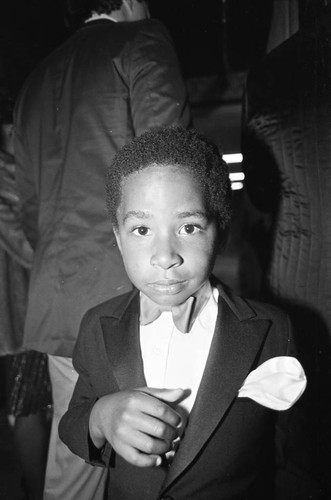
[139, 424]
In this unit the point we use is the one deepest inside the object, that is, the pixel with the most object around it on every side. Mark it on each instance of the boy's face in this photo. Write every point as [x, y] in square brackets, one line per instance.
[167, 242]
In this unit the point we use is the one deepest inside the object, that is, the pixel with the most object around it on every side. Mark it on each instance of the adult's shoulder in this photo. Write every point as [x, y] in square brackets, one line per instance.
[146, 28]
[147, 25]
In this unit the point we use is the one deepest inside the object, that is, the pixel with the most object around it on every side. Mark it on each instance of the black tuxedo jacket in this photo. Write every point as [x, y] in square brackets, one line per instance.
[231, 447]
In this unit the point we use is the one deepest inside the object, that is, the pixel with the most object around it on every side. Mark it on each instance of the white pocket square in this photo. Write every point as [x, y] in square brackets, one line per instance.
[277, 384]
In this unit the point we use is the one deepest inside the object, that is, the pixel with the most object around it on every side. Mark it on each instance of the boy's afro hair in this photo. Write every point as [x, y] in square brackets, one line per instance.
[174, 146]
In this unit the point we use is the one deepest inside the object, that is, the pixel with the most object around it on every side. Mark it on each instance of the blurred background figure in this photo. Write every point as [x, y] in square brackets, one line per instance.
[287, 159]
[115, 77]
[28, 391]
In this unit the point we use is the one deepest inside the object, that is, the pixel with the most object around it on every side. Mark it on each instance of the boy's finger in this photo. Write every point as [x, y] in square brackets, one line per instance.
[155, 427]
[148, 445]
[139, 459]
[154, 406]
[166, 395]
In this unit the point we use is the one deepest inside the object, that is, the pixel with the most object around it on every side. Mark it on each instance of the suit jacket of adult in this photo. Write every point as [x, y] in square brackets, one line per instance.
[228, 449]
[287, 159]
[106, 84]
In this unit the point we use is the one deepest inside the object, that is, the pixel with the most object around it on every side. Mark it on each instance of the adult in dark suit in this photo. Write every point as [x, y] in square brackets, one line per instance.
[287, 158]
[110, 81]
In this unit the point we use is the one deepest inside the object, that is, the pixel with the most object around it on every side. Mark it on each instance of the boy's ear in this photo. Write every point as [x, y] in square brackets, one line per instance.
[117, 236]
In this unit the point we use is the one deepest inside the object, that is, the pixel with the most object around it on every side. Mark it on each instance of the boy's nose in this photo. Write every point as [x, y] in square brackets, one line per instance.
[165, 256]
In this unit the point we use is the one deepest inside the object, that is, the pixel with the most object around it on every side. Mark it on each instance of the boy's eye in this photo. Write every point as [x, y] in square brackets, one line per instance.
[189, 229]
[141, 231]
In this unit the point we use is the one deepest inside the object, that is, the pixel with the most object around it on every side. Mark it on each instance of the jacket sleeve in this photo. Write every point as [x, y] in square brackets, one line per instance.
[12, 237]
[157, 92]
[74, 425]
[26, 185]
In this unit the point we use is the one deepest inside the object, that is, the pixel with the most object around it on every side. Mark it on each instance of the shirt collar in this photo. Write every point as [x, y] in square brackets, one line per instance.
[95, 16]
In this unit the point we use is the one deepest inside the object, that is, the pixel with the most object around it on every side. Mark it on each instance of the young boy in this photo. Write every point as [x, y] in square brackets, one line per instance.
[157, 401]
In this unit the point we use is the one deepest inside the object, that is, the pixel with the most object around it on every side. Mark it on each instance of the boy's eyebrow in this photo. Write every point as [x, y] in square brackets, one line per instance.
[193, 213]
[139, 214]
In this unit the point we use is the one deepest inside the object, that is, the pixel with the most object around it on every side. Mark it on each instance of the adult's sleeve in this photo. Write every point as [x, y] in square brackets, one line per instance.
[12, 237]
[157, 91]
[26, 182]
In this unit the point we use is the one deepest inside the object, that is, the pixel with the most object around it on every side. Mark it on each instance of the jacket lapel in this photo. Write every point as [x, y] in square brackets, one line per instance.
[235, 346]
[121, 337]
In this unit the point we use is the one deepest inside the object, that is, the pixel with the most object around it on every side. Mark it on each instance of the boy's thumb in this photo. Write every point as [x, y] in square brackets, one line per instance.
[167, 395]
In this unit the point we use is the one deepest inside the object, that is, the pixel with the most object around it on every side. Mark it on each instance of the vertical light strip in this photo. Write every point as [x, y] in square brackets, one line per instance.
[233, 158]
[236, 178]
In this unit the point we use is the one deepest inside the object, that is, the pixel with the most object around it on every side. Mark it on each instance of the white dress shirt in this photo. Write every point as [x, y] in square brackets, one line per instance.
[173, 359]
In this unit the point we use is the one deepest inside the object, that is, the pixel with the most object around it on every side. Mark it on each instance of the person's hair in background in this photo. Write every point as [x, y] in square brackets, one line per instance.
[79, 10]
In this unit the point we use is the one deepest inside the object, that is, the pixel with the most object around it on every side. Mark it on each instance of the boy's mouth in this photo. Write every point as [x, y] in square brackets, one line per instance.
[169, 287]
